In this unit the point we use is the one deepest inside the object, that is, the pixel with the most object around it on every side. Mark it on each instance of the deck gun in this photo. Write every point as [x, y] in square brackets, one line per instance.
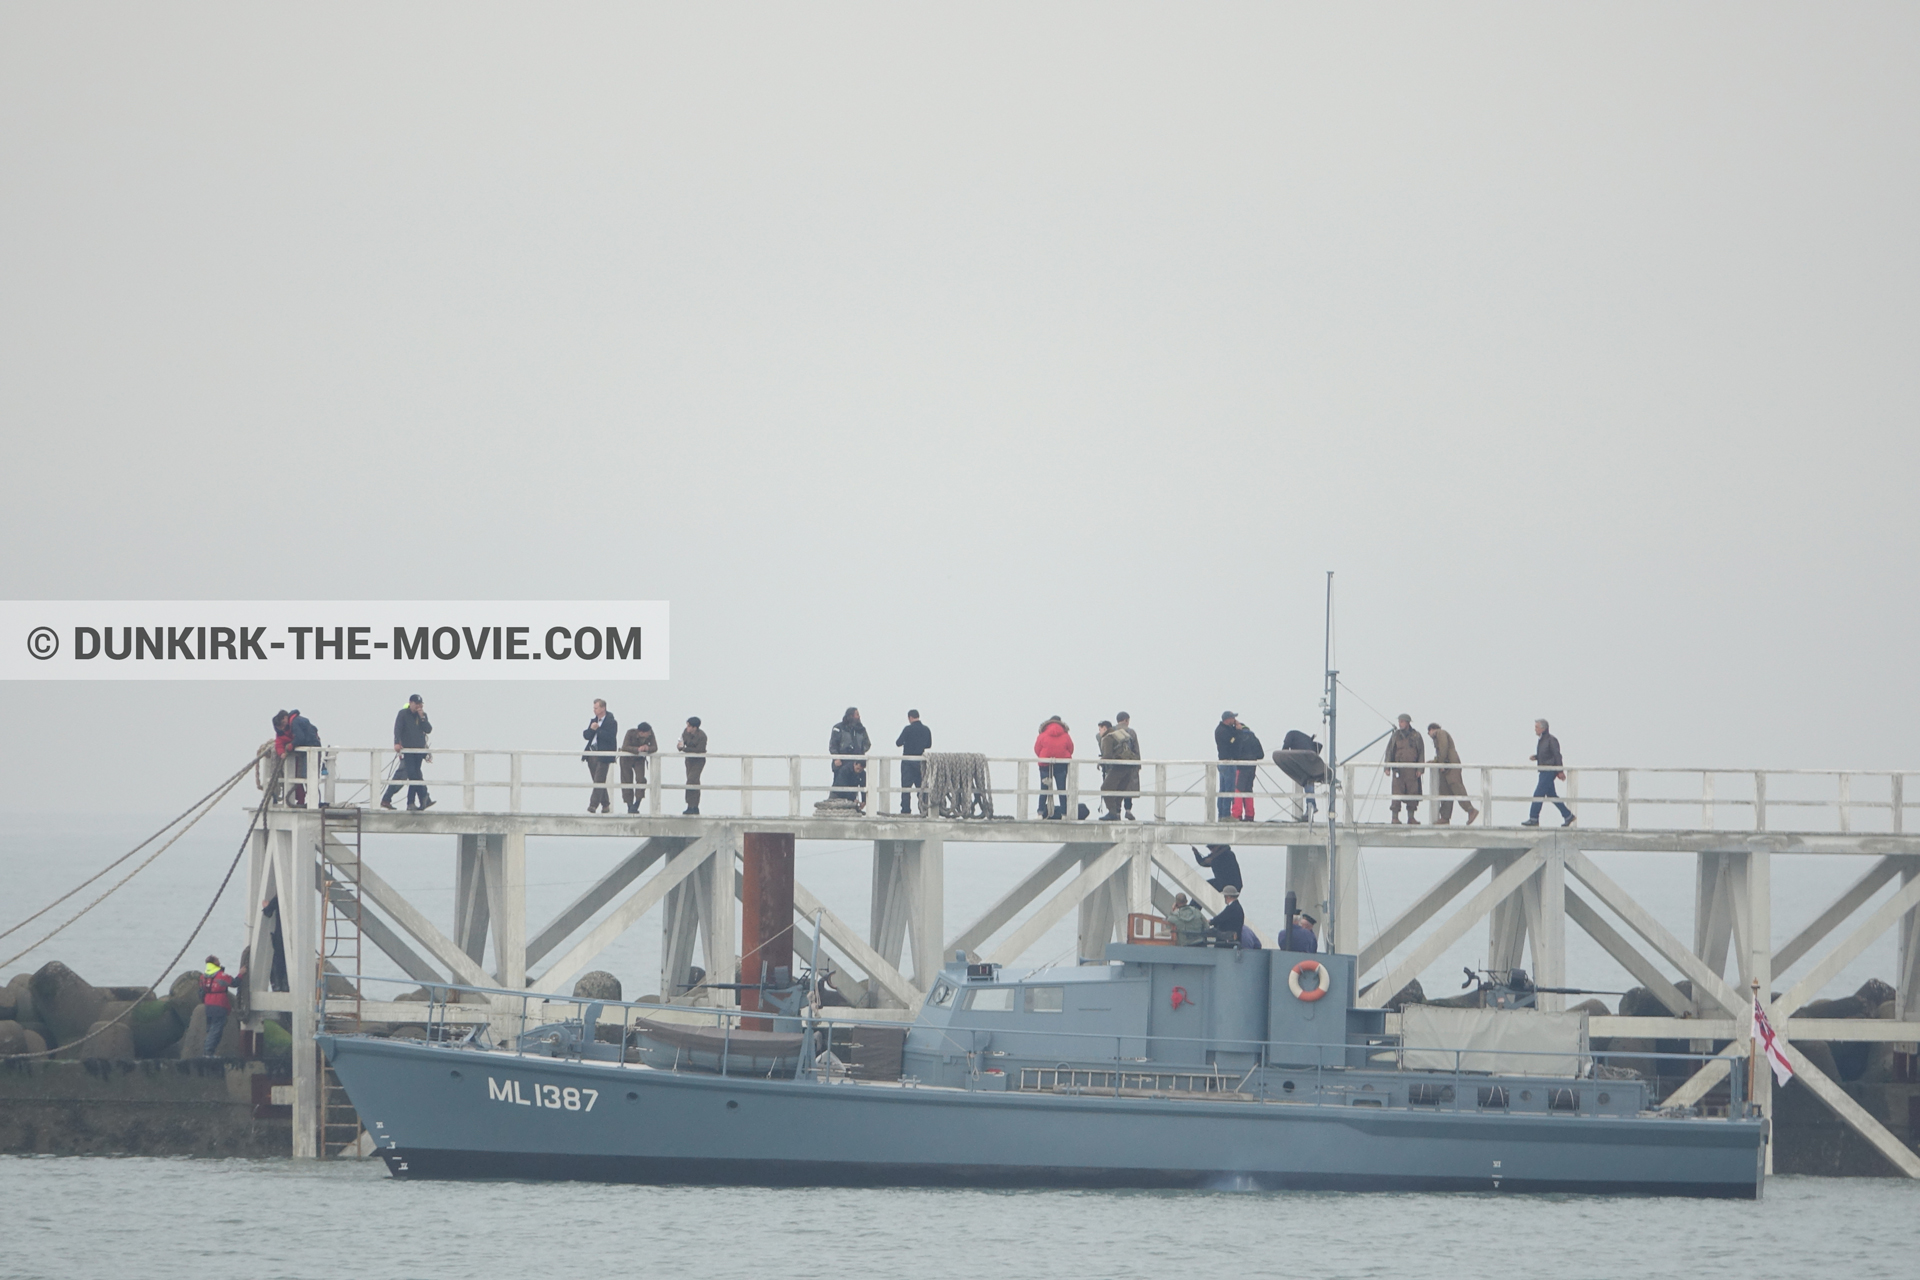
[1513, 989]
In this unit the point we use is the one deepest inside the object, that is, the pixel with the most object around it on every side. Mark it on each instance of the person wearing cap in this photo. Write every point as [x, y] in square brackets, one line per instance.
[1299, 935]
[1405, 747]
[410, 730]
[1448, 782]
[216, 995]
[1232, 918]
[1224, 735]
[1111, 775]
[1123, 725]
[1189, 922]
[693, 742]
[602, 736]
[914, 740]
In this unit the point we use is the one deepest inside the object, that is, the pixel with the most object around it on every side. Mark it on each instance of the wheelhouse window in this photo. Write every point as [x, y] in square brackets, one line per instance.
[990, 1000]
[942, 995]
[1046, 999]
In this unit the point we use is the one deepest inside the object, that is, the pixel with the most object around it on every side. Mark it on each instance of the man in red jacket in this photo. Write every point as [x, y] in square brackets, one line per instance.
[216, 986]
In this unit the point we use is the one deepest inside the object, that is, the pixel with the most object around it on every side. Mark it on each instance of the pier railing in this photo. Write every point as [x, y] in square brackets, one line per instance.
[1606, 797]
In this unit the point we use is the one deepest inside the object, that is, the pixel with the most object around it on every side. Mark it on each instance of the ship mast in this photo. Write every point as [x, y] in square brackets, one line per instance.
[1330, 712]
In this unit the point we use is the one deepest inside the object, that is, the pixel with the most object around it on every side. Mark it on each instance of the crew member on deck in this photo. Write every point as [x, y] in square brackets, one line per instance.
[1221, 860]
[1227, 925]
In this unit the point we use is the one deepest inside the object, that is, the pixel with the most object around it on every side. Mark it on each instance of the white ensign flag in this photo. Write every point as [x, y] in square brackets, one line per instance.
[1767, 1041]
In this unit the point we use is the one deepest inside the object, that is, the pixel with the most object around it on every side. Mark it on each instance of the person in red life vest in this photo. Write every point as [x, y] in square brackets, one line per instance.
[216, 988]
[1054, 747]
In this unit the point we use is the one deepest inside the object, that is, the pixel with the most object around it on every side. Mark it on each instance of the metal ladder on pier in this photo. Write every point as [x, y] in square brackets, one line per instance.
[341, 952]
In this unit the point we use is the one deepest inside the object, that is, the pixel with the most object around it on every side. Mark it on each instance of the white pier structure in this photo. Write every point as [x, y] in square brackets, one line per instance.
[1525, 886]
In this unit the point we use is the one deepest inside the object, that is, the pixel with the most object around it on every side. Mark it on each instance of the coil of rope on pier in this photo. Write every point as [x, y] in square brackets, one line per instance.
[199, 809]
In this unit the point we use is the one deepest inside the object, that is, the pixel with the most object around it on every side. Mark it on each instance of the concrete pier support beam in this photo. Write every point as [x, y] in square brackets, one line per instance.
[508, 862]
[1759, 961]
[472, 903]
[1307, 880]
[1343, 914]
[1908, 981]
[296, 855]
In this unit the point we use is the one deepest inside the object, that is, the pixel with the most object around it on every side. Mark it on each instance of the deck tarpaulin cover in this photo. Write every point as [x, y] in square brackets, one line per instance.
[1495, 1041]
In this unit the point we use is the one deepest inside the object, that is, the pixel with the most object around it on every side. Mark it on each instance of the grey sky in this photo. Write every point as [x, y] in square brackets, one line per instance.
[995, 360]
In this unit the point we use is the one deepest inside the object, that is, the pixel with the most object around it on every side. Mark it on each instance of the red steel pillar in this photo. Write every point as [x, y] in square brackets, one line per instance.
[766, 915]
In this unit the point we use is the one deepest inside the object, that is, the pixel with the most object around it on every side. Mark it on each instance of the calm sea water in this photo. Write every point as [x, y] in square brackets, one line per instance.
[69, 1217]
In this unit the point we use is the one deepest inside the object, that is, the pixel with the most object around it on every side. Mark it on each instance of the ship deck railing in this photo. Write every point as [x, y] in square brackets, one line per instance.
[791, 786]
[1113, 1065]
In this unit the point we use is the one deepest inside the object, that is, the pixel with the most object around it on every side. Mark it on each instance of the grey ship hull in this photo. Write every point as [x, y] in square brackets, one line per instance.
[444, 1112]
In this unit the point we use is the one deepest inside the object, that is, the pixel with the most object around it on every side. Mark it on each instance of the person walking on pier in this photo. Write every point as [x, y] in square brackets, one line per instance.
[410, 730]
[1247, 750]
[634, 750]
[1405, 747]
[1449, 783]
[1118, 781]
[1189, 922]
[850, 737]
[1546, 754]
[216, 995]
[1223, 735]
[1223, 862]
[603, 735]
[693, 742]
[913, 743]
[1054, 747]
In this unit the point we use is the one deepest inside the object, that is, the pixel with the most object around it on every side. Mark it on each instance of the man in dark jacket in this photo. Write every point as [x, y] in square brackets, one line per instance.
[850, 737]
[1246, 748]
[693, 741]
[913, 742]
[1225, 865]
[634, 750]
[1404, 746]
[1223, 736]
[303, 735]
[1232, 918]
[410, 730]
[1546, 754]
[602, 734]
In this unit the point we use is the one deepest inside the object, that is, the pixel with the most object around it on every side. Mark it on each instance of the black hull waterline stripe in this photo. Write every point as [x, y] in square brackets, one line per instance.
[491, 1165]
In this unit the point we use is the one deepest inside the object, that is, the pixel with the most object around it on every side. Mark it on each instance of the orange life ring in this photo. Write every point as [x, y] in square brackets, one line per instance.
[1301, 993]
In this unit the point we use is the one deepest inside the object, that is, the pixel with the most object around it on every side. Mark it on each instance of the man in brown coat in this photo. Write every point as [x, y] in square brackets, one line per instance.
[1118, 782]
[693, 741]
[1405, 747]
[1450, 783]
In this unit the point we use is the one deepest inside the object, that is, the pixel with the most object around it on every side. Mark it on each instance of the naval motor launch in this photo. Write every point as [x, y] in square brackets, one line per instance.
[1166, 1066]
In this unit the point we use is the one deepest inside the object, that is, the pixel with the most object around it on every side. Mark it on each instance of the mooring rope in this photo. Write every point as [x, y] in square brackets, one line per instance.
[258, 813]
[205, 806]
[221, 788]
